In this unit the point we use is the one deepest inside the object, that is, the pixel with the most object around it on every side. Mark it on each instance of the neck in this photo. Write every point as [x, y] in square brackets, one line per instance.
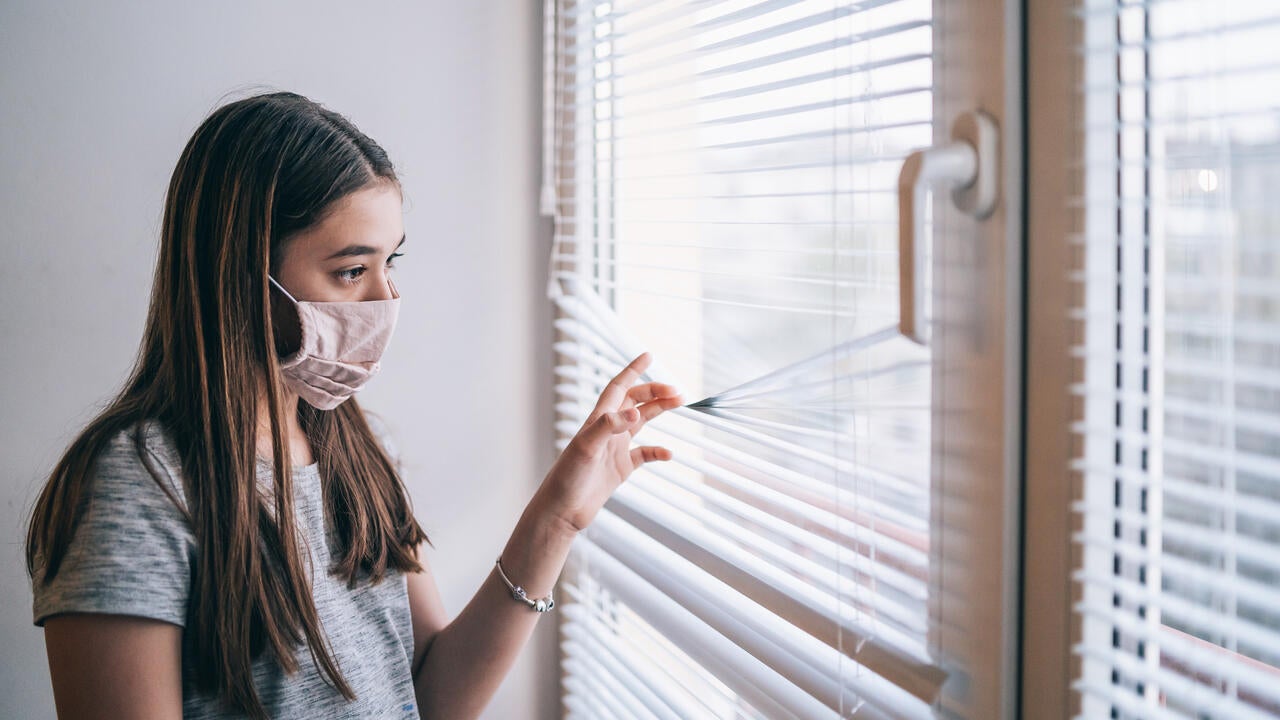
[295, 440]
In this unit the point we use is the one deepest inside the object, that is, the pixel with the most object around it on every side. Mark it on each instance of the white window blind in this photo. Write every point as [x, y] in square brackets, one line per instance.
[722, 179]
[1178, 233]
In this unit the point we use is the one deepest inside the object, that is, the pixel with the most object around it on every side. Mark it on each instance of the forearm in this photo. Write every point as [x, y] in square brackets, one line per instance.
[469, 657]
[466, 660]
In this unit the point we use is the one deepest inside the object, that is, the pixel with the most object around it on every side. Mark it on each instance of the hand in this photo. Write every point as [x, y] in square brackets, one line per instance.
[599, 457]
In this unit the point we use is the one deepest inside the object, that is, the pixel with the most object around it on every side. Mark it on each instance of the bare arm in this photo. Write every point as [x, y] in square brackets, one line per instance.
[462, 664]
[114, 666]
[466, 660]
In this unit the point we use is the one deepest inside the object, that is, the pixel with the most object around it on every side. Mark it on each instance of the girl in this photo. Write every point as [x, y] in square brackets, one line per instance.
[231, 536]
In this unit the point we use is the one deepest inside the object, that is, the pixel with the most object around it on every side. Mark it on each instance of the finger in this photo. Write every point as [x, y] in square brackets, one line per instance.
[648, 453]
[593, 439]
[613, 394]
[651, 410]
[651, 391]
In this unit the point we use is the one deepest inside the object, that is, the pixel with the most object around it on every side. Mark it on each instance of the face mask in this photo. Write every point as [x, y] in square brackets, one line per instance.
[341, 345]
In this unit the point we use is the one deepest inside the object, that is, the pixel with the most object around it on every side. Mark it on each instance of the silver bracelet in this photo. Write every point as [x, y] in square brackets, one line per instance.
[517, 592]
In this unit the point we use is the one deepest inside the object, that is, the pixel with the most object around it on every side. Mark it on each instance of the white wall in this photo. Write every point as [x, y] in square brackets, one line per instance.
[95, 105]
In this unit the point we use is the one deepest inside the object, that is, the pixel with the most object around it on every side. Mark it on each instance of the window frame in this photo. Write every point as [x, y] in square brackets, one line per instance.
[1049, 486]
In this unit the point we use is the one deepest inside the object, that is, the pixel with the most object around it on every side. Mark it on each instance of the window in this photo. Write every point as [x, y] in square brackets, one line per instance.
[723, 177]
[1178, 330]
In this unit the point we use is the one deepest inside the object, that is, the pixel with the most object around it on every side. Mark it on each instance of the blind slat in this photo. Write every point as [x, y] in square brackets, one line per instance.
[877, 647]
[1185, 570]
[904, 127]
[1188, 613]
[584, 644]
[908, 515]
[675, 584]
[758, 61]
[824, 109]
[861, 470]
[1207, 659]
[897, 577]
[1178, 687]
[784, 83]
[885, 601]
[600, 615]
[1251, 505]
[620, 697]
[601, 704]
[1207, 540]
[734, 666]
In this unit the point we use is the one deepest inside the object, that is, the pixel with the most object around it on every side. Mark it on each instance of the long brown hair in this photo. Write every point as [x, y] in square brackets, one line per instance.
[256, 172]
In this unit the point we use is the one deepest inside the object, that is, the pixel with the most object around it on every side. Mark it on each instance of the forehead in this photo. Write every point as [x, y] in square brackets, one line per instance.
[370, 216]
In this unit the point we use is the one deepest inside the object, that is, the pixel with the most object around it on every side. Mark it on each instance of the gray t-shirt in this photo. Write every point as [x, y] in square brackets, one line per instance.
[133, 554]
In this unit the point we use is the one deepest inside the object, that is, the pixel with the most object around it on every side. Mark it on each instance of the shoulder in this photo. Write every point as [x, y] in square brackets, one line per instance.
[130, 548]
[140, 463]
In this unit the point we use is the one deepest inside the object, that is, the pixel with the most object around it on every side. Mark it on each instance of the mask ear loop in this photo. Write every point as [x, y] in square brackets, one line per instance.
[286, 292]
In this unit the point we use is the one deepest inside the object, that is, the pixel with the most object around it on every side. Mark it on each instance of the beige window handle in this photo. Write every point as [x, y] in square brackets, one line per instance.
[969, 163]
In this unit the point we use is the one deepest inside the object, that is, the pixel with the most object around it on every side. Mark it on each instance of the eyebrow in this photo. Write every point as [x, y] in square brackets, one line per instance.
[356, 250]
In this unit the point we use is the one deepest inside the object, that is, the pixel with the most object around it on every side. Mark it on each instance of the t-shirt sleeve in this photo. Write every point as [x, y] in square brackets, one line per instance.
[132, 551]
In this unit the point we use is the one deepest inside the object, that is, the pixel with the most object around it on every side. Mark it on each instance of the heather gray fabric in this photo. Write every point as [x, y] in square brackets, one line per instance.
[133, 554]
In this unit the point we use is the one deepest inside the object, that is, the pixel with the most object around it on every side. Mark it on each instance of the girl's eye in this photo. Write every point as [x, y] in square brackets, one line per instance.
[351, 275]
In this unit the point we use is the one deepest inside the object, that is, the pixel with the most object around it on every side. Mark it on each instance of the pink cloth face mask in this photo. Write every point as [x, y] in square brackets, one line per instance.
[342, 343]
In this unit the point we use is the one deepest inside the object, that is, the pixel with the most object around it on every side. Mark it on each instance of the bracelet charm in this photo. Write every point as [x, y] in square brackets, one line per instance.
[517, 592]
